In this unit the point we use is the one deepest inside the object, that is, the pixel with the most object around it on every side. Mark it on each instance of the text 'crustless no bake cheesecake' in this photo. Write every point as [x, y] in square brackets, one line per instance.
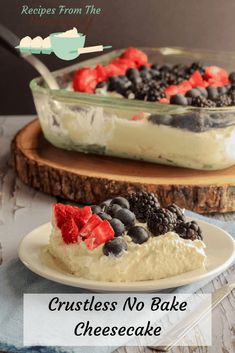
[123, 240]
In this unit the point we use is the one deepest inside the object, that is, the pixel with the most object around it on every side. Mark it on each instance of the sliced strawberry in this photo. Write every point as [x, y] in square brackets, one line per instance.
[69, 231]
[171, 90]
[184, 87]
[85, 80]
[136, 55]
[101, 73]
[138, 116]
[93, 222]
[124, 64]
[196, 79]
[113, 70]
[215, 83]
[103, 232]
[164, 100]
[216, 73]
[85, 213]
[59, 213]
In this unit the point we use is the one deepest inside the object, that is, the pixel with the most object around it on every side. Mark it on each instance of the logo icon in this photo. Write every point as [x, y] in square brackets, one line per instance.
[66, 45]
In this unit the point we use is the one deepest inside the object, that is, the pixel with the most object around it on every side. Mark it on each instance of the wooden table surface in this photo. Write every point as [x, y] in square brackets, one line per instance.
[23, 209]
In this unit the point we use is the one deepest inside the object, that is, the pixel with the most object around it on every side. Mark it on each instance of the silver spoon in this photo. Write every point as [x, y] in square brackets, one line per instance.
[9, 41]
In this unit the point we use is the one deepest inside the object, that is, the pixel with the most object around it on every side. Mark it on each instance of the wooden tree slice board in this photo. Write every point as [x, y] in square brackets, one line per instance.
[90, 179]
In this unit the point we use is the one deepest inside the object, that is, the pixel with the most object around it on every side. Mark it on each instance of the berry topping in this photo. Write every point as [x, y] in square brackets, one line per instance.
[136, 55]
[85, 80]
[112, 209]
[115, 247]
[223, 101]
[126, 217]
[232, 77]
[139, 235]
[60, 214]
[104, 215]
[96, 209]
[85, 213]
[202, 102]
[141, 203]
[105, 204]
[93, 222]
[189, 230]
[178, 99]
[69, 231]
[99, 235]
[120, 201]
[161, 221]
[180, 217]
[117, 226]
[217, 74]
[196, 79]
[193, 93]
[212, 92]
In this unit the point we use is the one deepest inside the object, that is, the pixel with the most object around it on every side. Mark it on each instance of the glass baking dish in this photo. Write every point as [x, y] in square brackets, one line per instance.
[197, 138]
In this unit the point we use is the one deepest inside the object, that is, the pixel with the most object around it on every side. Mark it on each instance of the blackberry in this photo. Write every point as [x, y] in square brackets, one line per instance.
[141, 203]
[180, 217]
[194, 67]
[223, 101]
[202, 102]
[161, 221]
[232, 96]
[189, 230]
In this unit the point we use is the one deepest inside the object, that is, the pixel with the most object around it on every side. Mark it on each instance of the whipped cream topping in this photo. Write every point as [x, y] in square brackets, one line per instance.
[160, 257]
[71, 33]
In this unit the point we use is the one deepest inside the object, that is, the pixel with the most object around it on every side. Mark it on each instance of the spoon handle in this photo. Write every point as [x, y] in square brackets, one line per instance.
[9, 40]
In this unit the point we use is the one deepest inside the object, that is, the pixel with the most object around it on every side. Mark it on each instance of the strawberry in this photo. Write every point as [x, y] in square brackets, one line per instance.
[85, 80]
[171, 90]
[59, 213]
[138, 116]
[69, 231]
[113, 70]
[216, 73]
[196, 79]
[164, 100]
[101, 73]
[85, 213]
[93, 222]
[135, 55]
[215, 83]
[184, 87]
[124, 64]
[100, 234]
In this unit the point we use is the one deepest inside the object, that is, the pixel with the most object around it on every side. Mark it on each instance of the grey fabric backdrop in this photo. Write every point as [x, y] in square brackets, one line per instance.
[192, 23]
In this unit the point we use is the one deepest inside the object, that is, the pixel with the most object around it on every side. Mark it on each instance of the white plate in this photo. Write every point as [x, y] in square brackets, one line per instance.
[220, 254]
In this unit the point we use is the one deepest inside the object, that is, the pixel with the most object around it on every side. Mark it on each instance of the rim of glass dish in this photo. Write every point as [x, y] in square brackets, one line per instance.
[72, 97]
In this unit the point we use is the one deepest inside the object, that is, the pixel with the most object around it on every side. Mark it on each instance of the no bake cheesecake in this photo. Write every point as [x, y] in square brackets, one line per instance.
[125, 240]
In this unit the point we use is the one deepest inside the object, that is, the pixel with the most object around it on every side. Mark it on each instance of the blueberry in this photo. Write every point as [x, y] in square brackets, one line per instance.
[96, 209]
[189, 100]
[145, 74]
[119, 200]
[130, 73]
[105, 204]
[113, 209]
[113, 82]
[193, 93]
[138, 234]
[222, 90]
[143, 68]
[126, 217]
[155, 73]
[117, 226]
[212, 92]
[178, 99]
[232, 77]
[203, 91]
[104, 216]
[115, 247]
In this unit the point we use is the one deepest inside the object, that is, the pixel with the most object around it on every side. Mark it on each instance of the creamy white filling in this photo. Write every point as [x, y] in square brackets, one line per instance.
[160, 257]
